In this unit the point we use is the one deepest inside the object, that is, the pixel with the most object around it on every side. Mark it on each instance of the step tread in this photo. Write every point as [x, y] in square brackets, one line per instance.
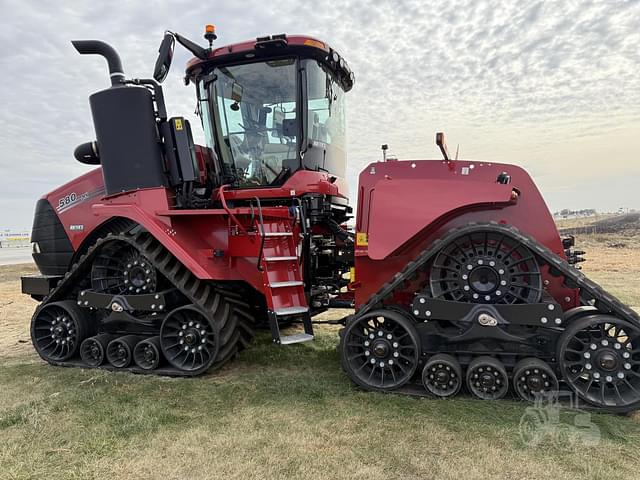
[278, 234]
[291, 310]
[291, 283]
[280, 259]
[296, 338]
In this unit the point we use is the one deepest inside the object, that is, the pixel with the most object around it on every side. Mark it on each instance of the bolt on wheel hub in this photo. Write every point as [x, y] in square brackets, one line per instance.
[484, 279]
[487, 381]
[608, 361]
[535, 382]
[381, 349]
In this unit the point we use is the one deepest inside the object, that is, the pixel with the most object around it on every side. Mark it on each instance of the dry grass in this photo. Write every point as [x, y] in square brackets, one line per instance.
[281, 413]
[14, 313]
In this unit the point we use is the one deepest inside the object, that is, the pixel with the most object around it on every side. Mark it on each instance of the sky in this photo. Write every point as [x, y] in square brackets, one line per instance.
[551, 86]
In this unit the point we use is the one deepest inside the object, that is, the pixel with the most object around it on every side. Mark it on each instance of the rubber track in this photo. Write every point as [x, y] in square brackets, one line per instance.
[589, 290]
[235, 321]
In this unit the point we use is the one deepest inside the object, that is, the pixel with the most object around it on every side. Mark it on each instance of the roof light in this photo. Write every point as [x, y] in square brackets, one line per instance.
[210, 34]
[315, 43]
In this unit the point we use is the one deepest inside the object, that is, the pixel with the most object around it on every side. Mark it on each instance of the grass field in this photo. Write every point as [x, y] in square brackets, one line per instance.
[285, 412]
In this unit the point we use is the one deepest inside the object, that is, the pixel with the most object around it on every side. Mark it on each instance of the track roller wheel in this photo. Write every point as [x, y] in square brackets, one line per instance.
[189, 339]
[442, 376]
[487, 379]
[380, 350]
[147, 354]
[599, 358]
[58, 329]
[93, 350]
[533, 378]
[120, 350]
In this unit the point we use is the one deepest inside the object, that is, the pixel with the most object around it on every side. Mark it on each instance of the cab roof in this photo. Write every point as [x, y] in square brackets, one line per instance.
[273, 46]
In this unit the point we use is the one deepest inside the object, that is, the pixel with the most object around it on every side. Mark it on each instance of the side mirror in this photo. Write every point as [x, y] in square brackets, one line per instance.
[165, 55]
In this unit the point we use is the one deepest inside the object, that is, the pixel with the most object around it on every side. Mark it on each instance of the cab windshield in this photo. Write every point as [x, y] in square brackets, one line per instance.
[254, 111]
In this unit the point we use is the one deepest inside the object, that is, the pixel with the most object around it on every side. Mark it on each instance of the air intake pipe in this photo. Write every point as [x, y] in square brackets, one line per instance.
[96, 47]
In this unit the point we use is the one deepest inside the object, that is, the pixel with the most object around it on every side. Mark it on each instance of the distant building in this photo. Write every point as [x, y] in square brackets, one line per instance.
[10, 238]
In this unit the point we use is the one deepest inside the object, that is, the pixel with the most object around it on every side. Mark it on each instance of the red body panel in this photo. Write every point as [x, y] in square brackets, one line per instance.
[191, 235]
[404, 206]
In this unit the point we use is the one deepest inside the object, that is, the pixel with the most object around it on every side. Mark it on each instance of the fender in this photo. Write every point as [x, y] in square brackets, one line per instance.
[403, 206]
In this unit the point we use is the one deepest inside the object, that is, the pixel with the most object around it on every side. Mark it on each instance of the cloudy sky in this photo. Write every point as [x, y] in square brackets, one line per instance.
[552, 86]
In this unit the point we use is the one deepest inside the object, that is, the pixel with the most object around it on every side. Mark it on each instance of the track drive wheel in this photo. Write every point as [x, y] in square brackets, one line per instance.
[58, 329]
[487, 378]
[442, 376]
[534, 378]
[486, 267]
[380, 350]
[119, 269]
[599, 358]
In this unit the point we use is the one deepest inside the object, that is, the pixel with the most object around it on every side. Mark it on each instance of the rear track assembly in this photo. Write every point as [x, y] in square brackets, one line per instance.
[491, 291]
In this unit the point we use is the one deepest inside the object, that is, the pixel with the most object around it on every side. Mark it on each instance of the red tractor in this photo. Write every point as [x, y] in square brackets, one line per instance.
[168, 256]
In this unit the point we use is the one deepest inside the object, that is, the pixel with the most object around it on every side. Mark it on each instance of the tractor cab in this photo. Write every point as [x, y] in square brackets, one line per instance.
[272, 107]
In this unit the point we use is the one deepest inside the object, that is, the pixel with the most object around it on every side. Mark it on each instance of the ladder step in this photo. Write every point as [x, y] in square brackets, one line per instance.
[281, 312]
[292, 283]
[280, 259]
[278, 234]
[297, 338]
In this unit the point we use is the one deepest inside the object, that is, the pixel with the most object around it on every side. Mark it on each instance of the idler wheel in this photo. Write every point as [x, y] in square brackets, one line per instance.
[58, 329]
[487, 378]
[120, 350]
[93, 350]
[148, 353]
[442, 376]
[534, 378]
[189, 339]
[599, 359]
[380, 349]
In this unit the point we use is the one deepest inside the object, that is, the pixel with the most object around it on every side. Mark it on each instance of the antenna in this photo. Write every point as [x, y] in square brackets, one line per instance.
[440, 142]
[457, 151]
[384, 147]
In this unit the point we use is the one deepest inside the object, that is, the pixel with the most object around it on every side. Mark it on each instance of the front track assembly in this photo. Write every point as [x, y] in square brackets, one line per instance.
[128, 304]
[484, 322]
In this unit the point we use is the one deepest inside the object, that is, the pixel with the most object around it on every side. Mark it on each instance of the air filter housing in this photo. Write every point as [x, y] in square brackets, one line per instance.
[130, 151]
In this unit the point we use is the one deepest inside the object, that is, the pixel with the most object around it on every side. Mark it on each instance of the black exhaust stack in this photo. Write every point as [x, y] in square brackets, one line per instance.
[124, 119]
[96, 47]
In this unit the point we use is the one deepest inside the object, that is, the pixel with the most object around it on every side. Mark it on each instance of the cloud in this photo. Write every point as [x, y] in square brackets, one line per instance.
[542, 84]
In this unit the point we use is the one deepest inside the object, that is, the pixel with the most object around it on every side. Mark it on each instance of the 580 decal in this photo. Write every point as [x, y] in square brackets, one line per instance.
[73, 199]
